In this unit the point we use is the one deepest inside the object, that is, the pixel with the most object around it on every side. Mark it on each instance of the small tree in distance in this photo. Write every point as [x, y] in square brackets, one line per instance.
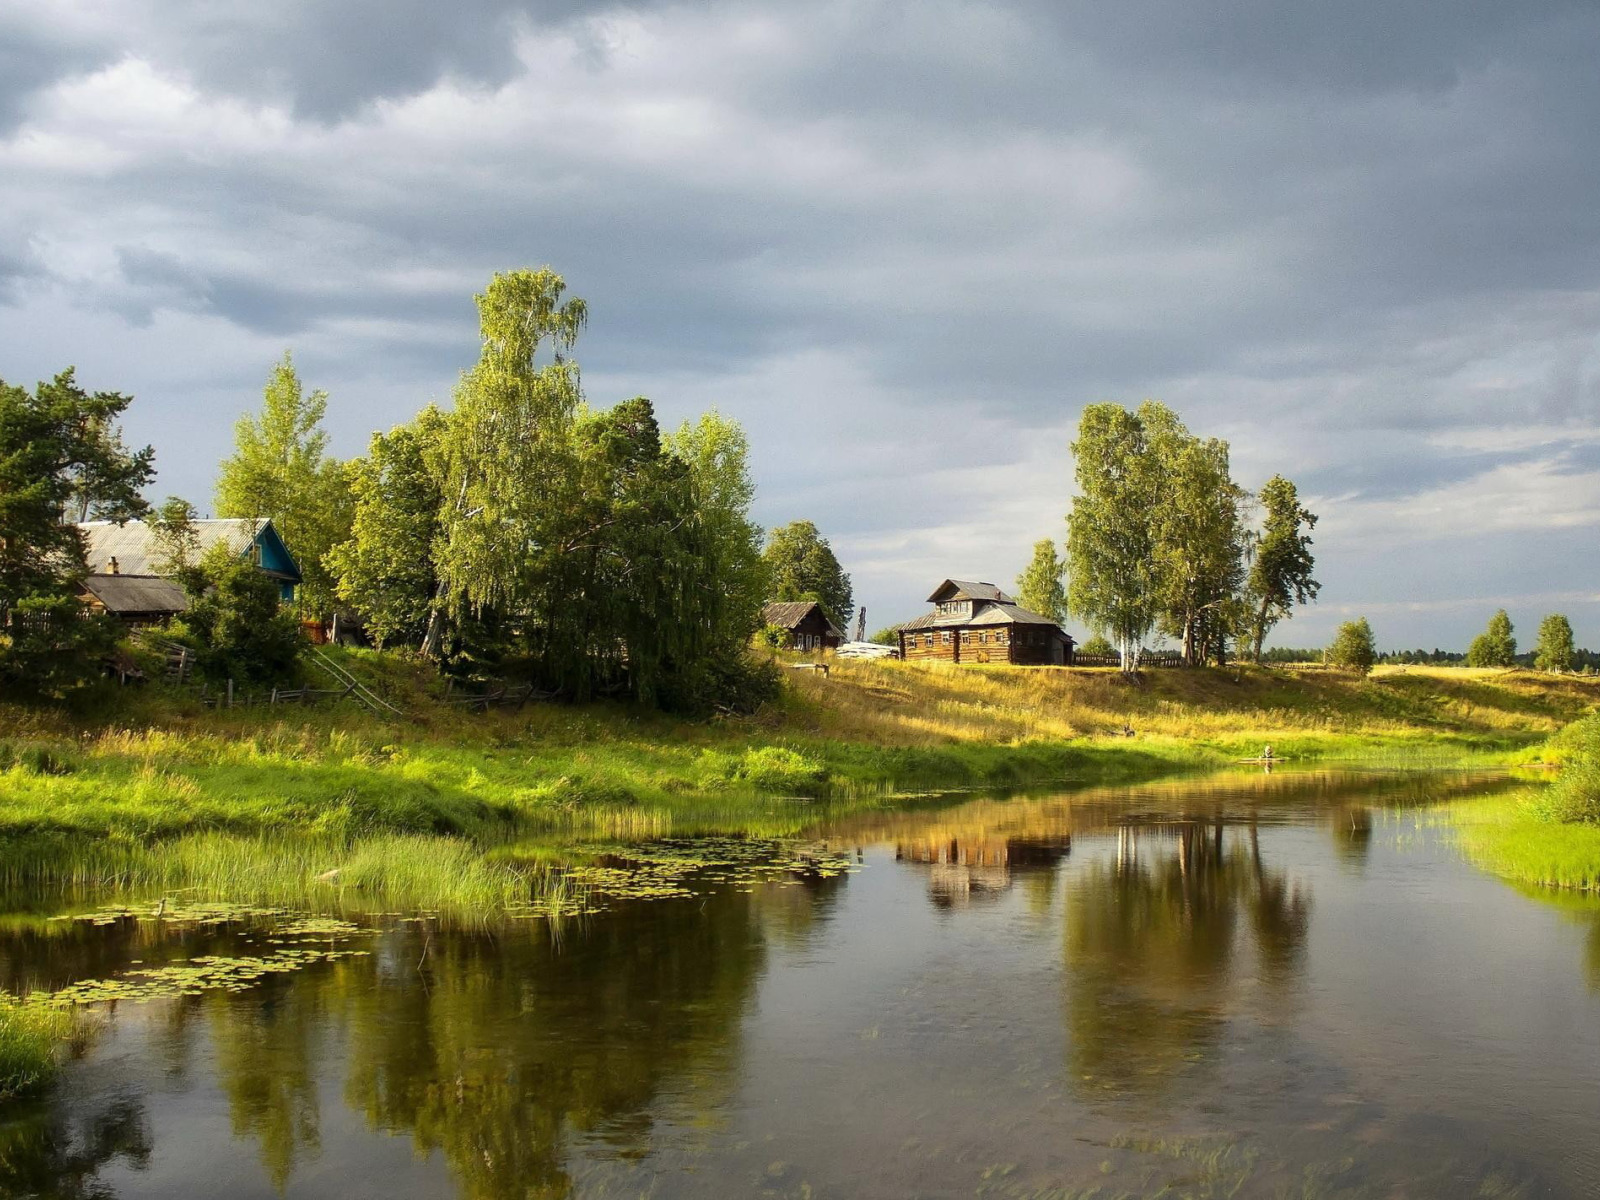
[1353, 648]
[1555, 644]
[1495, 646]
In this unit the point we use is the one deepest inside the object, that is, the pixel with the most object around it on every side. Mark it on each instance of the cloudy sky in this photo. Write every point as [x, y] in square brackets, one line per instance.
[903, 243]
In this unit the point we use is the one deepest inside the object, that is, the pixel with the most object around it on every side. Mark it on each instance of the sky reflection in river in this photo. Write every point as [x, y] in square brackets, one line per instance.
[1282, 986]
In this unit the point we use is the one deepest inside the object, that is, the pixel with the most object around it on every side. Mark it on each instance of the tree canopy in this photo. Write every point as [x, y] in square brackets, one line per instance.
[1280, 575]
[1042, 587]
[1157, 537]
[801, 565]
[62, 458]
[1555, 650]
[1353, 647]
[1495, 646]
[280, 471]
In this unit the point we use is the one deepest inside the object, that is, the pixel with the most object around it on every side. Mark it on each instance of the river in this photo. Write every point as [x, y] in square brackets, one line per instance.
[1255, 985]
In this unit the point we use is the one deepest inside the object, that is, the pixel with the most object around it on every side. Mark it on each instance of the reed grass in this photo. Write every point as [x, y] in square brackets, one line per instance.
[33, 1037]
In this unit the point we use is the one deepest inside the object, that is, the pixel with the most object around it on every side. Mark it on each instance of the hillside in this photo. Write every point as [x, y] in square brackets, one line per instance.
[155, 762]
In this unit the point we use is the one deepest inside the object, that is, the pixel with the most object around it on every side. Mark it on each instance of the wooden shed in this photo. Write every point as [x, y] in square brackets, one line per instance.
[135, 599]
[975, 622]
[806, 625]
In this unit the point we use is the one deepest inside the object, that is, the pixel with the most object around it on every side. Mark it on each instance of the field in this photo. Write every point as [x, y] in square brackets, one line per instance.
[153, 762]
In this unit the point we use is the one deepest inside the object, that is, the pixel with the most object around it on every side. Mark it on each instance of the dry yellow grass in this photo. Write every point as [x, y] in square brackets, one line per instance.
[897, 703]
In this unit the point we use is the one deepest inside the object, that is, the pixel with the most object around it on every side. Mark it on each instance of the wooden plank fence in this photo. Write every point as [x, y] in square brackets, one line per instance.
[1155, 662]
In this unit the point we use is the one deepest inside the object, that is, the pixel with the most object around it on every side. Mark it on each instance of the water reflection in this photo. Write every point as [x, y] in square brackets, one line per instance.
[1146, 936]
[1153, 938]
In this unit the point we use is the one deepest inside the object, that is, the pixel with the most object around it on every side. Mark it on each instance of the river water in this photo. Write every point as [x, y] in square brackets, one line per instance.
[1248, 986]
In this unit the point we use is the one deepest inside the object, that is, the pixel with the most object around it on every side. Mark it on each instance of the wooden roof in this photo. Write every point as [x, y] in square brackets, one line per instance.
[967, 589]
[136, 595]
[787, 614]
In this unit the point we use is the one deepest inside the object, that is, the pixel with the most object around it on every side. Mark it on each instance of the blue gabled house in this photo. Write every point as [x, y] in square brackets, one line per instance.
[131, 548]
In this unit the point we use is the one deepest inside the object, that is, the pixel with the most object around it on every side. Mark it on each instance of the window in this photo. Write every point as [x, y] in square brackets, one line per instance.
[946, 637]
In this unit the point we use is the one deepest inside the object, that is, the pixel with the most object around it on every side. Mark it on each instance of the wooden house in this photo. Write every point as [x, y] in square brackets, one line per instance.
[978, 623]
[135, 599]
[131, 549]
[806, 625]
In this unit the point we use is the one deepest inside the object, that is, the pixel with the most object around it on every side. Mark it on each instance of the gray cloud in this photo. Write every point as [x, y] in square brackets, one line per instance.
[1358, 241]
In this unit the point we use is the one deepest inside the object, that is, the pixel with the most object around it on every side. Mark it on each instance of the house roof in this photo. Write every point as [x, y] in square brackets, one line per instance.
[787, 614]
[1013, 614]
[136, 594]
[1002, 613]
[966, 589]
[134, 547]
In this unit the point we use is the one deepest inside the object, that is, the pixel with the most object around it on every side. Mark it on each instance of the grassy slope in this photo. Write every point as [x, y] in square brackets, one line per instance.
[158, 764]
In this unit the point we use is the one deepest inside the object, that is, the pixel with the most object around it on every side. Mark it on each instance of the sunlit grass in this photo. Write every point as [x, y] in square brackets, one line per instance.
[33, 1037]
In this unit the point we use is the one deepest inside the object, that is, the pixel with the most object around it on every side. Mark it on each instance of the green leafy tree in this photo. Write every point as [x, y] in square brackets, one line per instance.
[889, 635]
[731, 574]
[280, 471]
[802, 566]
[1353, 648]
[237, 624]
[177, 541]
[1097, 645]
[508, 454]
[1111, 574]
[1042, 586]
[1280, 575]
[1495, 646]
[385, 570]
[1197, 535]
[61, 456]
[1555, 651]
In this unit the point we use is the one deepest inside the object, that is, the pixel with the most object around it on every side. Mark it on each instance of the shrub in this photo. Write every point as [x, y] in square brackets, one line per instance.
[1097, 645]
[238, 625]
[1574, 797]
[778, 767]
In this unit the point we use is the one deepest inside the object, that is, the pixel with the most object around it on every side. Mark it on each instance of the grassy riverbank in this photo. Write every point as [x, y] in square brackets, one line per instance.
[154, 763]
[1549, 834]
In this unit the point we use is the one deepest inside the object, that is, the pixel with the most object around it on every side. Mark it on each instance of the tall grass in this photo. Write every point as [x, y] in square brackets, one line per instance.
[32, 1037]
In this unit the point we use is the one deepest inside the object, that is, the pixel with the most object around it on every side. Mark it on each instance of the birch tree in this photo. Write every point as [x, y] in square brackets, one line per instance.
[1111, 577]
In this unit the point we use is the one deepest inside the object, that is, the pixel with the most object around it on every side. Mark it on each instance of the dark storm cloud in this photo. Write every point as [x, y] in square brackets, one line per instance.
[1359, 240]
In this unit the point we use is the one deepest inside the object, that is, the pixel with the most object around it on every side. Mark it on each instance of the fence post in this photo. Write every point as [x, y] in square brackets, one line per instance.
[273, 703]
[230, 691]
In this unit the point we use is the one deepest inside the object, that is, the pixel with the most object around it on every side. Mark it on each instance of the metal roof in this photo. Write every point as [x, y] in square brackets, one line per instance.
[966, 589]
[136, 594]
[134, 547]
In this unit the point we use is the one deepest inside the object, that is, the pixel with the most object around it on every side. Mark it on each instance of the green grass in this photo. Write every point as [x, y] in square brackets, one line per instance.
[1549, 834]
[153, 764]
[32, 1037]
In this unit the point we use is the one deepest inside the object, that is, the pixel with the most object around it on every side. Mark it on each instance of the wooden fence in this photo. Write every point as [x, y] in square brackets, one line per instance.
[1153, 662]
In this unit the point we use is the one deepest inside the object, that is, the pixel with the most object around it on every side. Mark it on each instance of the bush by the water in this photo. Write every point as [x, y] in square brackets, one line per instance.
[1574, 798]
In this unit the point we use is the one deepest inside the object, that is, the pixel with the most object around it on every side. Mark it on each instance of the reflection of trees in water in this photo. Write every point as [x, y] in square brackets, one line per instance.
[55, 1148]
[968, 864]
[1153, 943]
[501, 1048]
[267, 1044]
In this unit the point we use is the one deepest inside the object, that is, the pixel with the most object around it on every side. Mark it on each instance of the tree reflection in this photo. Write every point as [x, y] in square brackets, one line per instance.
[53, 1148]
[498, 1051]
[1153, 947]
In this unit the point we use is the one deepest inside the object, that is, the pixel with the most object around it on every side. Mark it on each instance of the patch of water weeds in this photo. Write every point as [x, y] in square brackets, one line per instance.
[674, 868]
[302, 939]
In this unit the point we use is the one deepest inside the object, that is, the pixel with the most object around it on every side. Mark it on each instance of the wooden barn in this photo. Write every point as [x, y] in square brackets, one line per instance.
[978, 623]
[807, 626]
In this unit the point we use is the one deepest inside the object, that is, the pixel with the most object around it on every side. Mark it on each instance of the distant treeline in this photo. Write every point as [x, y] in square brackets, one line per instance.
[1582, 660]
